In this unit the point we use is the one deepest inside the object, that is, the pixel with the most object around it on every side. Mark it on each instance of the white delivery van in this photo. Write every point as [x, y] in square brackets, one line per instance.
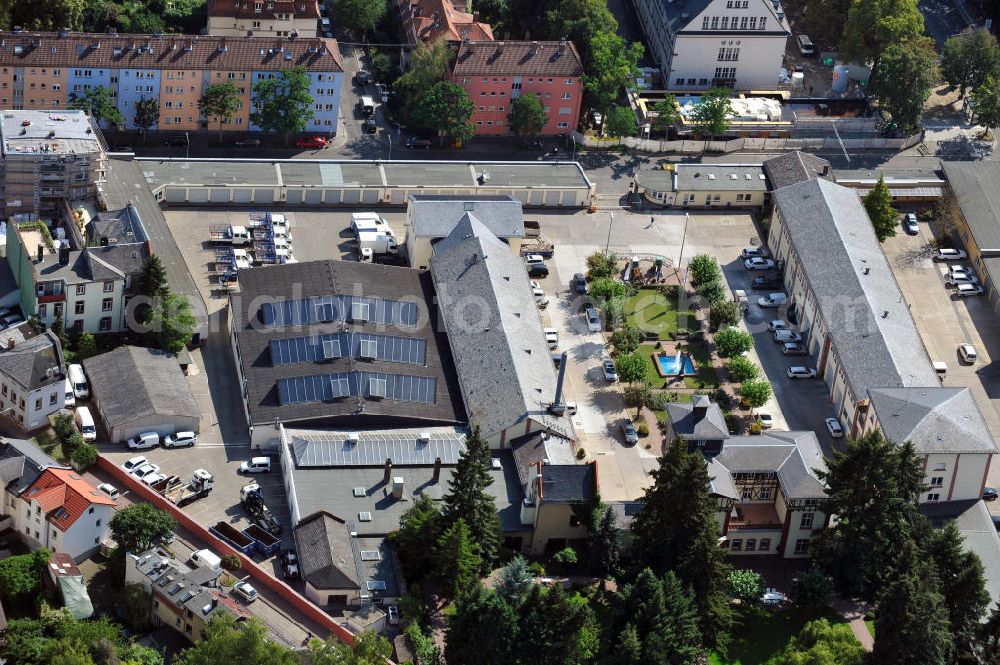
[85, 423]
[206, 559]
[70, 399]
[79, 381]
[367, 105]
[256, 465]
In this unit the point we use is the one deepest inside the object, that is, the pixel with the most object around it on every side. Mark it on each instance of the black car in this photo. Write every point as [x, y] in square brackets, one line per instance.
[362, 78]
[417, 143]
[370, 126]
[766, 283]
[176, 141]
[989, 494]
[537, 270]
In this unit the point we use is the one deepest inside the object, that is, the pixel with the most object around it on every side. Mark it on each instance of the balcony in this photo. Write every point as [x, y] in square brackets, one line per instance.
[749, 516]
[52, 297]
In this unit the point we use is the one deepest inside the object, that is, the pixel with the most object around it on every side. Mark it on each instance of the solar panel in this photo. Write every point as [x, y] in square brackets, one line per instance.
[371, 555]
[348, 345]
[326, 387]
[375, 585]
[364, 516]
[325, 309]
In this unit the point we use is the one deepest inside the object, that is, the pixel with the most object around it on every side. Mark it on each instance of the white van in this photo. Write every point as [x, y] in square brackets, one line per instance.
[256, 465]
[79, 380]
[367, 105]
[551, 337]
[206, 559]
[85, 423]
[70, 400]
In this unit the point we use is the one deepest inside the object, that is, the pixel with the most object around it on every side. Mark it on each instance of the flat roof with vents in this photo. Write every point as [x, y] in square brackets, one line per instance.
[405, 447]
[716, 177]
[343, 344]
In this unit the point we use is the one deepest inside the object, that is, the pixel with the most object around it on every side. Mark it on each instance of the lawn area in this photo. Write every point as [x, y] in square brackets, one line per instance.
[650, 311]
[47, 441]
[871, 626]
[706, 378]
[763, 633]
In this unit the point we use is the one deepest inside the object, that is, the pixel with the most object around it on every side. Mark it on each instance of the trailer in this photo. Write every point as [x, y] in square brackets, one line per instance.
[236, 259]
[228, 234]
[275, 221]
[267, 253]
[200, 485]
[232, 536]
[266, 544]
[260, 514]
[163, 486]
[532, 229]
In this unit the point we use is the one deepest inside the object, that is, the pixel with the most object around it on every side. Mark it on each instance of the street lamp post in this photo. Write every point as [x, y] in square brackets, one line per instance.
[574, 146]
[187, 145]
[388, 134]
[680, 259]
[611, 225]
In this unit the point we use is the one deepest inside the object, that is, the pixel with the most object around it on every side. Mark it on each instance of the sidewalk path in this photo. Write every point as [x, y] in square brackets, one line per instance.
[854, 613]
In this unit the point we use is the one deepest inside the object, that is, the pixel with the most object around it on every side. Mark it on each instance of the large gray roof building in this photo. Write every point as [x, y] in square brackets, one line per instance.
[794, 167]
[793, 456]
[504, 365]
[342, 343]
[138, 389]
[937, 419]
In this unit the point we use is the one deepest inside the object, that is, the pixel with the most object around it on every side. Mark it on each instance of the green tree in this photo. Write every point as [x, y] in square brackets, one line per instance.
[613, 65]
[622, 122]
[137, 526]
[601, 265]
[903, 81]
[134, 602]
[986, 102]
[527, 115]
[724, 313]
[283, 104]
[756, 392]
[98, 103]
[361, 16]
[605, 550]
[676, 530]
[987, 646]
[428, 65]
[382, 67]
[627, 339]
[64, 426]
[667, 114]
[747, 585]
[873, 488]
[457, 562]
[711, 116]
[663, 618]
[418, 532]
[704, 269]
[152, 283]
[446, 110]
[494, 12]
[25, 641]
[911, 625]
[873, 25]
[85, 455]
[963, 584]
[731, 342]
[42, 14]
[514, 581]
[822, 643]
[812, 588]
[631, 367]
[138, 654]
[606, 288]
[878, 203]
[221, 101]
[825, 20]
[425, 650]
[580, 21]
[629, 648]
[68, 652]
[713, 292]
[369, 648]
[86, 346]
[969, 59]
[146, 114]
[481, 631]
[468, 499]
[742, 369]
[227, 642]
[21, 576]
[549, 626]
[172, 323]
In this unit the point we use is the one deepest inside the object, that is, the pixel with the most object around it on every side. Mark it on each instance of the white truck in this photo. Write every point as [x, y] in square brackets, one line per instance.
[229, 234]
[370, 221]
[235, 258]
[277, 222]
[377, 241]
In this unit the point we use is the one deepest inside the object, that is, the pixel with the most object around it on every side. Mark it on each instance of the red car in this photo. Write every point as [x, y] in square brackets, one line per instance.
[311, 142]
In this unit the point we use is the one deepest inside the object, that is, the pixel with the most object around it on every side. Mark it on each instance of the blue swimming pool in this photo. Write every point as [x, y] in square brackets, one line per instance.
[669, 365]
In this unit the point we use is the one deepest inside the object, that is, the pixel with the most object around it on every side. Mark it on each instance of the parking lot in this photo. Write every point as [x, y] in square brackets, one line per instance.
[944, 322]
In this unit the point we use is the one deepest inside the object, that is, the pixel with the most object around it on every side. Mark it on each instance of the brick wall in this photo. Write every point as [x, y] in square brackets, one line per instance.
[252, 569]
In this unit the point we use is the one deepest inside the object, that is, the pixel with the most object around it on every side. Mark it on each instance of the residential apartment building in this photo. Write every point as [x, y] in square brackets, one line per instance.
[263, 18]
[61, 511]
[700, 44]
[48, 158]
[86, 288]
[182, 596]
[44, 71]
[858, 330]
[496, 73]
[429, 20]
[32, 376]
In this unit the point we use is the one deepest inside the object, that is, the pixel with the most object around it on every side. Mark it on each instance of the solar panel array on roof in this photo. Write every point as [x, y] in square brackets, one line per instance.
[348, 345]
[373, 448]
[354, 309]
[371, 385]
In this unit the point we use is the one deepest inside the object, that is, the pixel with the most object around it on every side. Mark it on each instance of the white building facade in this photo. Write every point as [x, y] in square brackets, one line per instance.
[700, 44]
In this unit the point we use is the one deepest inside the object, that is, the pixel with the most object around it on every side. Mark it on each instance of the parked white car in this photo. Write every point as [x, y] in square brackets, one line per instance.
[180, 440]
[151, 478]
[758, 263]
[961, 278]
[834, 427]
[134, 463]
[772, 300]
[787, 336]
[245, 592]
[108, 490]
[144, 440]
[778, 324]
[967, 353]
[967, 290]
[628, 431]
[593, 319]
[145, 470]
[948, 254]
[799, 372]
[765, 420]
[754, 252]
[610, 373]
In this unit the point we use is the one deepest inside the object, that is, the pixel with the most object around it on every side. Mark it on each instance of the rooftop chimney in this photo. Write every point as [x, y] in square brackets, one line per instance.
[388, 470]
[558, 407]
[397, 487]
[700, 404]
[41, 252]
[63, 255]
[437, 470]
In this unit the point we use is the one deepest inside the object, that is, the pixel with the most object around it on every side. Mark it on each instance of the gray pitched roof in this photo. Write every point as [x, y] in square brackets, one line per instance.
[113, 261]
[34, 359]
[122, 225]
[793, 456]
[435, 216]
[864, 311]
[540, 447]
[935, 420]
[155, 385]
[565, 483]
[326, 554]
[721, 480]
[795, 167]
[973, 520]
[315, 279]
[698, 423]
[504, 365]
[975, 187]
[21, 462]
[681, 15]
